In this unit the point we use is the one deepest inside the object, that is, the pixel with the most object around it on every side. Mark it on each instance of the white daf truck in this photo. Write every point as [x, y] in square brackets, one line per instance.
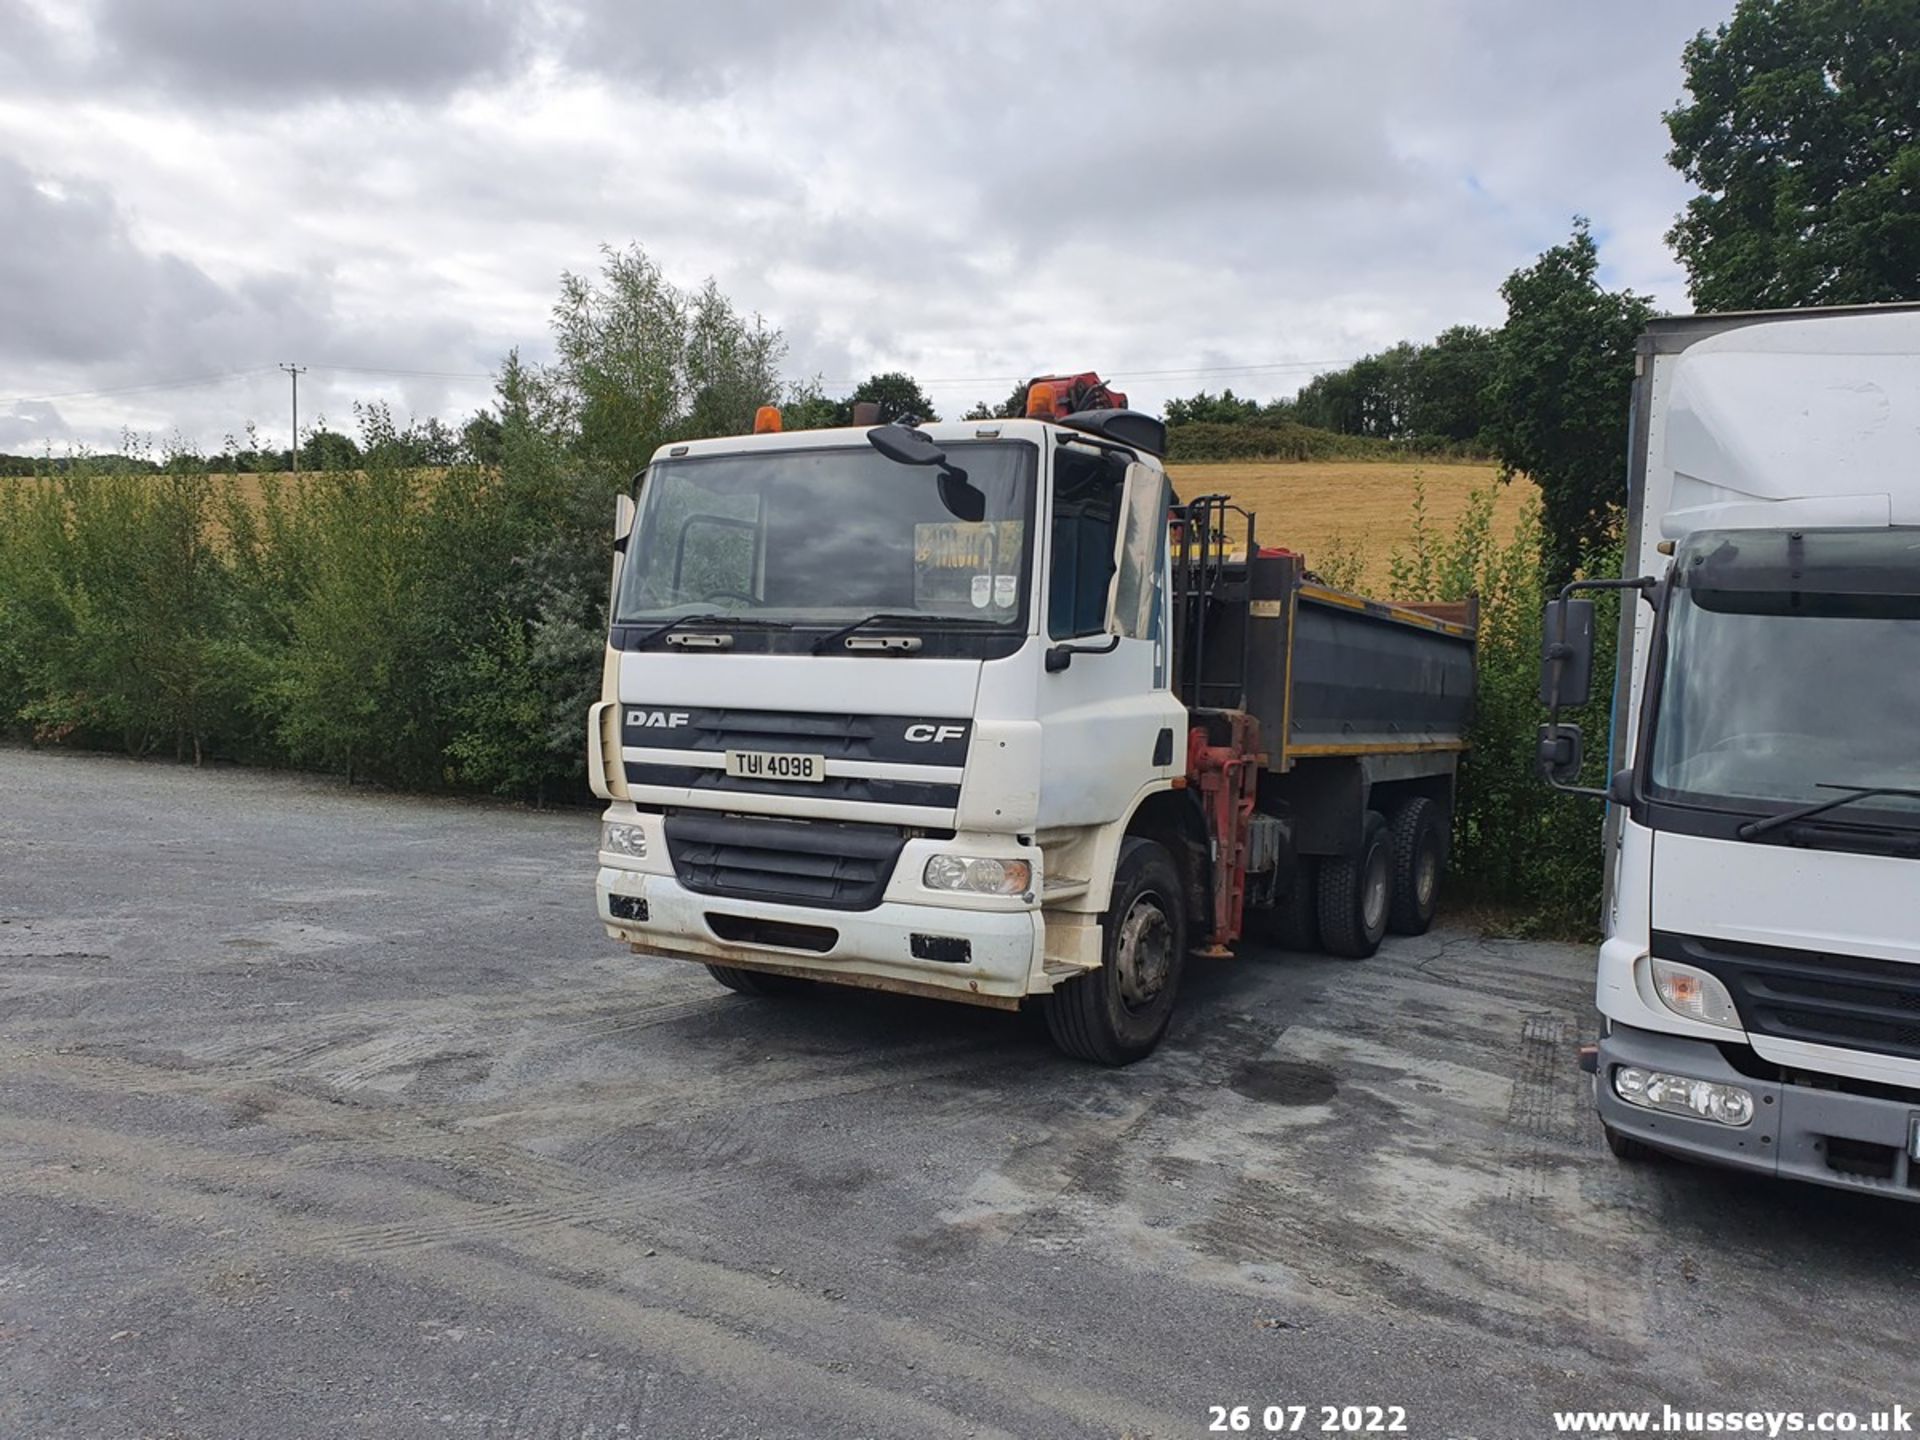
[975, 711]
[1760, 972]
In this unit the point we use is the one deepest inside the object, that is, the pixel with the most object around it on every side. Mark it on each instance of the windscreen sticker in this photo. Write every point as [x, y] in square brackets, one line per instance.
[960, 564]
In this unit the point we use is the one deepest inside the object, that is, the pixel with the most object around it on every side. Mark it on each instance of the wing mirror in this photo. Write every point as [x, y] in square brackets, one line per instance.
[1566, 654]
[907, 446]
[1559, 753]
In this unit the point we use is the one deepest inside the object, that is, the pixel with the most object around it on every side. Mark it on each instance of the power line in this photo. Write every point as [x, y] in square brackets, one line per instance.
[181, 383]
[428, 374]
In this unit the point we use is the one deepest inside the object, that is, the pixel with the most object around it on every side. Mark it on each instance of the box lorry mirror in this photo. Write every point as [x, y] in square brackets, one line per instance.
[1560, 752]
[1566, 654]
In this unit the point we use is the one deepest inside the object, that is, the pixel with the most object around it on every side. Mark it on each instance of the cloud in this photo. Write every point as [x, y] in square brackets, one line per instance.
[214, 52]
[970, 193]
[29, 426]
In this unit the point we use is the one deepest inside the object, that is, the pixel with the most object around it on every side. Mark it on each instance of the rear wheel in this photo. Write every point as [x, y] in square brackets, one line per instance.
[1355, 893]
[755, 982]
[1117, 1014]
[1293, 923]
[1419, 854]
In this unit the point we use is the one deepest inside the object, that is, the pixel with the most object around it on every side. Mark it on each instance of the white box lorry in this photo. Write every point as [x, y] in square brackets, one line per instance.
[1759, 974]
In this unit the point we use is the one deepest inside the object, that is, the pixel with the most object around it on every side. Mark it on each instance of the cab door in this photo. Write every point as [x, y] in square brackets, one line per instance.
[1110, 725]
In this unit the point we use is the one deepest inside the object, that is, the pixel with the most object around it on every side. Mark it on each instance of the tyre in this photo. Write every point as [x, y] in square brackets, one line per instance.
[755, 982]
[1355, 892]
[1419, 834]
[1625, 1147]
[1294, 923]
[1116, 1015]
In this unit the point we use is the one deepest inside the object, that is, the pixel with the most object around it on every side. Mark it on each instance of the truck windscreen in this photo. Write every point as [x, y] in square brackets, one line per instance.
[1792, 666]
[827, 536]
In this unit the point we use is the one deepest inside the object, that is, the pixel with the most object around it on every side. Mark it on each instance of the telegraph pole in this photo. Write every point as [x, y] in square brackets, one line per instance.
[294, 372]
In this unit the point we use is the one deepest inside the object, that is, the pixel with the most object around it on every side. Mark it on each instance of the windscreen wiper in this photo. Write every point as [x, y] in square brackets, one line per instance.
[649, 636]
[1752, 829]
[919, 622]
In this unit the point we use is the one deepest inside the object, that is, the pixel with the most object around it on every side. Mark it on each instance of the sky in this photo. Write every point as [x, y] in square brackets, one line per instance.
[1217, 193]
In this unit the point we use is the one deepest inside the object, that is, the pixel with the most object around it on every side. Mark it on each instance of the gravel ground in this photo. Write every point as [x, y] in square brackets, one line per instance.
[332, 1114]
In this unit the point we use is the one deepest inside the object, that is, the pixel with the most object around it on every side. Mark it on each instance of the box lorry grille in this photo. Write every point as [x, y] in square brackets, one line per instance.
[1848, 1001]
[791, 862]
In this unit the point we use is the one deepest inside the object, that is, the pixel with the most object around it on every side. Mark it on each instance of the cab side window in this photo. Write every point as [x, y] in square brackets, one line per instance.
[1086, 495]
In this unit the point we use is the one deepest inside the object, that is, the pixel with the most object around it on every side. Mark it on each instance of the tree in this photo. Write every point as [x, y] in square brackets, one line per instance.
[639, 362]
[1557, 399]
[897, 394]
[325, 449]
[808, 408]
[1226, 408]
[1801, 134]
[1450, 377]
[1014, 407]
[482, 438]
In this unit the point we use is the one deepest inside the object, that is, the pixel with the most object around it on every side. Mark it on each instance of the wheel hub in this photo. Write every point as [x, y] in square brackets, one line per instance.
[1426, 877]
[1373, 903]
[1143, 956]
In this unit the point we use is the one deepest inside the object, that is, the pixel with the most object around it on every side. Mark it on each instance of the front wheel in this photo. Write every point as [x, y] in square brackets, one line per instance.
[755, 982]
[1117, 1014]
[1355, 892]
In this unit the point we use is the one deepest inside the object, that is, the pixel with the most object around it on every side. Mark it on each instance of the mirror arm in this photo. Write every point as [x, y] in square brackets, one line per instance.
[1639, 582]
[1059, 657]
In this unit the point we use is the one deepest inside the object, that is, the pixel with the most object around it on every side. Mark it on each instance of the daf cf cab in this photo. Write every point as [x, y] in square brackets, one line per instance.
[1760, 971]
[952, 711]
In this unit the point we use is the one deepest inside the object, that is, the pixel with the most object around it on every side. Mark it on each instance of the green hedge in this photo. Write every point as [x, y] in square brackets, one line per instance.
[1517, 843]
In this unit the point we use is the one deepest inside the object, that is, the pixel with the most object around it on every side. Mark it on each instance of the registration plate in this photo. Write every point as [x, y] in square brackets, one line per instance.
[775, 765]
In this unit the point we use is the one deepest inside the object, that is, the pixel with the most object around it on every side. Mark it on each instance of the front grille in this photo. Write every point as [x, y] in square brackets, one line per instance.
[902, 739]
[1848, 1001]
[834, 787]
[794, 862]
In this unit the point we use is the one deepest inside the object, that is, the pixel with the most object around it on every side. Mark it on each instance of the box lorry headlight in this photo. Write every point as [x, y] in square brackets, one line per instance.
[978, 875]
[629, 840]
[1694, 994]
[1702, 1099]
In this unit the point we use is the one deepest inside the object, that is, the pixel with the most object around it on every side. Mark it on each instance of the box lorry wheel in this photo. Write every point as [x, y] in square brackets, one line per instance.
[1419, 854]
[1117, 1014]
[1356, 893]
[1625, 1147]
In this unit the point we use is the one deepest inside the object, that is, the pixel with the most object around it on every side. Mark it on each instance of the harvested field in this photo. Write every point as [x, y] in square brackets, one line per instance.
[1367, 505]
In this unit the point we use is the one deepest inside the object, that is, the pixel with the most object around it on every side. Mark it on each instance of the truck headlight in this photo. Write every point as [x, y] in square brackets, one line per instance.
[1702, 1099]
[978, 875]
[629, 840]
[1694, 994]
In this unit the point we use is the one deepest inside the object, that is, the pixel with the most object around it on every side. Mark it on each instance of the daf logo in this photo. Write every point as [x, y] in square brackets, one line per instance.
[934, 734]
[657, 719]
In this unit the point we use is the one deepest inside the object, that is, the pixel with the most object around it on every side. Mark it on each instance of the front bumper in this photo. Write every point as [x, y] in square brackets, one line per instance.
[874, 948]
[1794, 1129]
